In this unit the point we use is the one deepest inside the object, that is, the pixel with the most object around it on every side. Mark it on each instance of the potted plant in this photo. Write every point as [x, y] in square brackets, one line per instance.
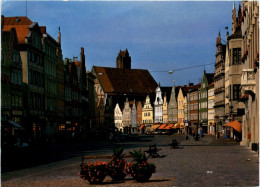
[117, 165]
[94, 172]
[140, 168]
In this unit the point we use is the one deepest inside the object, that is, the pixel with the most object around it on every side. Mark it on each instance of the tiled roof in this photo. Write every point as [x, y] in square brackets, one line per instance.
[195, 88]
[21, 30]
[211, 84]
[125, 81]
[13, 21]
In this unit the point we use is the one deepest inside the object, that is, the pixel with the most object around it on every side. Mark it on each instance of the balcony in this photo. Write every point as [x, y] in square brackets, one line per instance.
[248, 81]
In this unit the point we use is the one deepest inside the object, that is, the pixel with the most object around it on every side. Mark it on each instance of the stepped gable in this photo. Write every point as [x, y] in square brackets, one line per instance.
[116, 81]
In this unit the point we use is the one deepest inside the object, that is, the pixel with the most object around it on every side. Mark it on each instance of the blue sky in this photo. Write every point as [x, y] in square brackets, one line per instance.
[160, 36]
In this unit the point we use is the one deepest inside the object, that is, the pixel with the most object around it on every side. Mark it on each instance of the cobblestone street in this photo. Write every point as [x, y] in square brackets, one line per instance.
[209, 164]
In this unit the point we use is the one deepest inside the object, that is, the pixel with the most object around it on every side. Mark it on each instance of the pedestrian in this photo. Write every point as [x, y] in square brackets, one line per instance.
[216, 135]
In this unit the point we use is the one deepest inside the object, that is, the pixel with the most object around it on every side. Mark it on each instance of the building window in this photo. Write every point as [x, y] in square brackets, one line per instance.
[236, 55]
[236, 91]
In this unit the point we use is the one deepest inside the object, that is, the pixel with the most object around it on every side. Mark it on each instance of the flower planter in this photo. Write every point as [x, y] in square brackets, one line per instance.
[142, 177]
[117, 175]
[97, 178]
[94, 172]
[116, 169]
[141, 172]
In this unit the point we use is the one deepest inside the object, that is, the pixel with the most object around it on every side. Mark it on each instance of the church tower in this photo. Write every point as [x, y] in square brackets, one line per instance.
[123, 60]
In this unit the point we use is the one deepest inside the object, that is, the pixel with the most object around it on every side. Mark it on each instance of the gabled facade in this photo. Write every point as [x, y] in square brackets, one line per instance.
[60, 85]
[158, 106]
[12, 89]
[51, 59]
[32, 57]
[180, 100]
[134, 118]
[118, 118]
[203, 100]
[126, 116]
[147, 112]
[172, 108]
[165, 110]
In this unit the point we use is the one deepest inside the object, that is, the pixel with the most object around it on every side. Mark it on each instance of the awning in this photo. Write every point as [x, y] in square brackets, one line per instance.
[234, 124]
[169, 126]
[14, 124]
[154, 127]
[162, 126]
[178, 126]
[141, 127]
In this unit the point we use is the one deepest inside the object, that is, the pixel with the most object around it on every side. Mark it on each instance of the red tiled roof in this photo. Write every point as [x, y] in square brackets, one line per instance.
[211, 84]
[21, 30]
[125, 81]
[13, 21]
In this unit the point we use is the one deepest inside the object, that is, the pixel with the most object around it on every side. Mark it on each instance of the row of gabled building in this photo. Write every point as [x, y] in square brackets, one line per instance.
[40, 92]
[191, 106]
[228, 95]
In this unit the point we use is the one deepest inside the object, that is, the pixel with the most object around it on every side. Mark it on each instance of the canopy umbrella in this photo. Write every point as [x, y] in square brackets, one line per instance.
[169, 126]
[178, 126]
[162, 126]
[234, 124]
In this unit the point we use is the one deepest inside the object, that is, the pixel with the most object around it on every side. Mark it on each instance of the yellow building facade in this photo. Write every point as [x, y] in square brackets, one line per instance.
[165, 110]
[147, 113]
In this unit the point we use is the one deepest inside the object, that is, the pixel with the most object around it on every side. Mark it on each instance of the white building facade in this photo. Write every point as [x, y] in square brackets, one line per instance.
[118, 118]
[158, 106]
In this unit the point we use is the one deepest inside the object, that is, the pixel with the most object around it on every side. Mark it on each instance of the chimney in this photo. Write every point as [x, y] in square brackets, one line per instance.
[43, 29]
[17, 19]
[75, 59]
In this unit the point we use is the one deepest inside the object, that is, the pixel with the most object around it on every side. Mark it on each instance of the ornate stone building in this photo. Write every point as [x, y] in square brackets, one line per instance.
[12, 109]
[250, 72]
[219, 86]
[126, 116]
[118, 118]
[158, 106]
[233, 70]
[134, 118]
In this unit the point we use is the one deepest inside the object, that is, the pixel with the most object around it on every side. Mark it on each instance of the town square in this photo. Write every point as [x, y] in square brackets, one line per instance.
[135, 93]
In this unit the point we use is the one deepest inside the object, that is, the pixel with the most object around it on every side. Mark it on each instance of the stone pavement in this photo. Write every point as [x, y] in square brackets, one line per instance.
[191, 165]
